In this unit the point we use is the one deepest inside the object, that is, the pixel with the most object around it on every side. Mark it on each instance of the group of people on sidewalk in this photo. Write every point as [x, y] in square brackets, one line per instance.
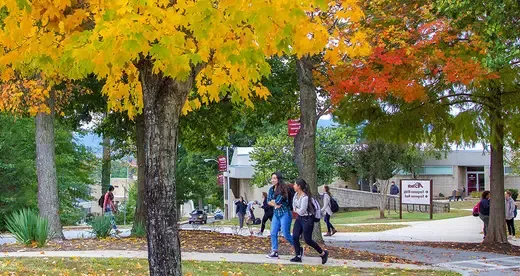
[484, 208]
[279, 204]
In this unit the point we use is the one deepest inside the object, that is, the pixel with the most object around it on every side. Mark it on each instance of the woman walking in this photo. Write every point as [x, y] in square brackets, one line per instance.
[268, 214]
[304, 206]
[484, 210]
[109, 208]
[241, 211]
[327, 211]
[510, 215]
[278, 199]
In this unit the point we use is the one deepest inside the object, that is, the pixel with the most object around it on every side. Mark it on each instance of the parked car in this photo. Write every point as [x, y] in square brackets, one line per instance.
[219, 214]
[198, 216]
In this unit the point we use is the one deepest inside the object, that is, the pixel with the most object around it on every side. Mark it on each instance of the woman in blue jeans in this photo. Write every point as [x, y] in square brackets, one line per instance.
[282, 217]
[327, 211]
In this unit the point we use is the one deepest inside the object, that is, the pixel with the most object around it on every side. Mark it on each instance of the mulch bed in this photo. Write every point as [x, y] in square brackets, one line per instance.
[206, 241]
[504, 248]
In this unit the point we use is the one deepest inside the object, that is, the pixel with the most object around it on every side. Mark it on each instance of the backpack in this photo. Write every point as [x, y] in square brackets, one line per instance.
[101, 200]
[476, 210]
[317, 210]
[290, 195]
[515, 212]
[334, 207]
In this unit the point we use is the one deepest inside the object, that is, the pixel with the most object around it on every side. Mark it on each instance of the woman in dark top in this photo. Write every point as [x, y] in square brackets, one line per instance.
[268, 214]
[241, 210]
[484, 210]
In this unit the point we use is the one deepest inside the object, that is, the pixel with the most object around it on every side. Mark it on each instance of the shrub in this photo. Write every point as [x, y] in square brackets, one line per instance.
[139, 230]
[28, 227]
[514, 193]
[476, 194]
[441, 195]
[101, 226]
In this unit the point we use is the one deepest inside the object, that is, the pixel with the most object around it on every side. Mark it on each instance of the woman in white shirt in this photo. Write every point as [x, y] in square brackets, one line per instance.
[304, 224]
[327, 212]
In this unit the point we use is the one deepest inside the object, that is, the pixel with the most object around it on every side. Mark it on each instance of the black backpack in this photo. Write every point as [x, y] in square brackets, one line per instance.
[101, 200]
[334, 207]
[290, 194]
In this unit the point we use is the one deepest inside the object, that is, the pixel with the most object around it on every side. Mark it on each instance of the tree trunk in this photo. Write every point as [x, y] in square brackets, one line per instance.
[106, 165]
[48, 201]
[140, 210]
[305, 140]
[497, 229]
[383, 184]
[163, 101]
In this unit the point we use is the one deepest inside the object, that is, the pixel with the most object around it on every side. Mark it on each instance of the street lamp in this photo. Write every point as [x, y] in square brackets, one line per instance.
[225, 186]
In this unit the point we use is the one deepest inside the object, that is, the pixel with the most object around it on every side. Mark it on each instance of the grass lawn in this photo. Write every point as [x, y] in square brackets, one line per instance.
[466, 204]
[119, 266]
[372, 216]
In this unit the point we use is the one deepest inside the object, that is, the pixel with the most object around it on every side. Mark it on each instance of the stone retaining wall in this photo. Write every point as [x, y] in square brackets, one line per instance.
[355, 199]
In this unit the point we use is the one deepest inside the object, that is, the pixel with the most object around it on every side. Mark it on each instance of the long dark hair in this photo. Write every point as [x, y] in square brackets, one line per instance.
[281, 188]
[327, 190]
[305, 188]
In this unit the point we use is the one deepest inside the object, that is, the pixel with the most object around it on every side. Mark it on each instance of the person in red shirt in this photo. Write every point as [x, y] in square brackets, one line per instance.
[109, 208]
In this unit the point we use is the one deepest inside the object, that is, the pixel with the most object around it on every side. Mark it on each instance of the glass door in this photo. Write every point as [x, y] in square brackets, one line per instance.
[481, 182]
[472, 183]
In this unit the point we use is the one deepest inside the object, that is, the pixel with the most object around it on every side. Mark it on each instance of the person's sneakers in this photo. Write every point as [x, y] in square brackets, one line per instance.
[327, 235]
[324, 257]
[333, 232]
[273, 255]
[296, 259]
[509, 237]
[259, 234]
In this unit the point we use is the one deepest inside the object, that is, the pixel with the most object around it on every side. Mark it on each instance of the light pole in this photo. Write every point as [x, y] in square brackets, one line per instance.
[225, 187]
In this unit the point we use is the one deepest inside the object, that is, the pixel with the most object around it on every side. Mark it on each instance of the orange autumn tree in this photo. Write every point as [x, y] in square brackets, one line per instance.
[32, 37]
[438, 78]
[152, 54]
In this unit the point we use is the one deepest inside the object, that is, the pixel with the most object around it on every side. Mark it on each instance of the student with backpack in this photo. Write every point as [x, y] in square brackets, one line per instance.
[307, 209]
[268, 214]
[510, 215]
[326, 210]
[282, 218]
[109, 208]
[484, 210]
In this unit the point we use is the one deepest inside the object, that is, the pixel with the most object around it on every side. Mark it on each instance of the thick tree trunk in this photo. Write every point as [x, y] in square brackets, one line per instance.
[106, 165]
[140, 210]
[48, 201]
[305, 140]
[497, 229]
[163, 102]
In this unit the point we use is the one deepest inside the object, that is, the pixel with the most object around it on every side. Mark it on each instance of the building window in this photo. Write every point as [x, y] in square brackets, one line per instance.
[436, 170]
[508, 170]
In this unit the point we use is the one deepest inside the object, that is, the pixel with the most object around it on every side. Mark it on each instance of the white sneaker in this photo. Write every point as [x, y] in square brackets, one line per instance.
[509, 237]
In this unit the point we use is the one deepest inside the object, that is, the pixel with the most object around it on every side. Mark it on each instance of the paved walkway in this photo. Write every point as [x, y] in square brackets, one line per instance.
[212, 257]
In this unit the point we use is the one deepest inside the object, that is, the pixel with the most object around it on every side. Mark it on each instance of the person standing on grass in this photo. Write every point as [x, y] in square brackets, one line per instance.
[327, 211]
[484, 210]
[304, 206]
[282, 218]
[268, 214]
[394, 190]
[109, 208]
[510, 215]
[241, 210]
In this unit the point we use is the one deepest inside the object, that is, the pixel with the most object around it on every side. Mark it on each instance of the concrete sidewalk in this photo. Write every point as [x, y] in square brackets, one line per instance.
[211, 257]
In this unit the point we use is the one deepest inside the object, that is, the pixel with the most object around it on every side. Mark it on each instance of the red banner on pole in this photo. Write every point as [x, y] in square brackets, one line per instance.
[294, 127]
[220, 180]
[222, 164]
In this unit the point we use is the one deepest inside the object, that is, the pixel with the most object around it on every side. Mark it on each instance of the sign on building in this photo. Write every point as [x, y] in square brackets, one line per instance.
[416, 192]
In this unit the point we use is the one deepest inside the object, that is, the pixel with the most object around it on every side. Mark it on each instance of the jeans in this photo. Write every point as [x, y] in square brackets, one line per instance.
[241, 219]
[108, 213]
[330, 227]
[283, 222]
[511, 226]
[304, 225]
[264, 220]
[485, 219]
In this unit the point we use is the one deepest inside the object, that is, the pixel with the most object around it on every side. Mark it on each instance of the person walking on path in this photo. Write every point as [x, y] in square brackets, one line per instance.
[484, 210]
[241, 211]
[268, 214]
[109, 208]
[304, 206]
[394, 190]
[510, 215]
[327, 211]
[278, 199]
[251, 210]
